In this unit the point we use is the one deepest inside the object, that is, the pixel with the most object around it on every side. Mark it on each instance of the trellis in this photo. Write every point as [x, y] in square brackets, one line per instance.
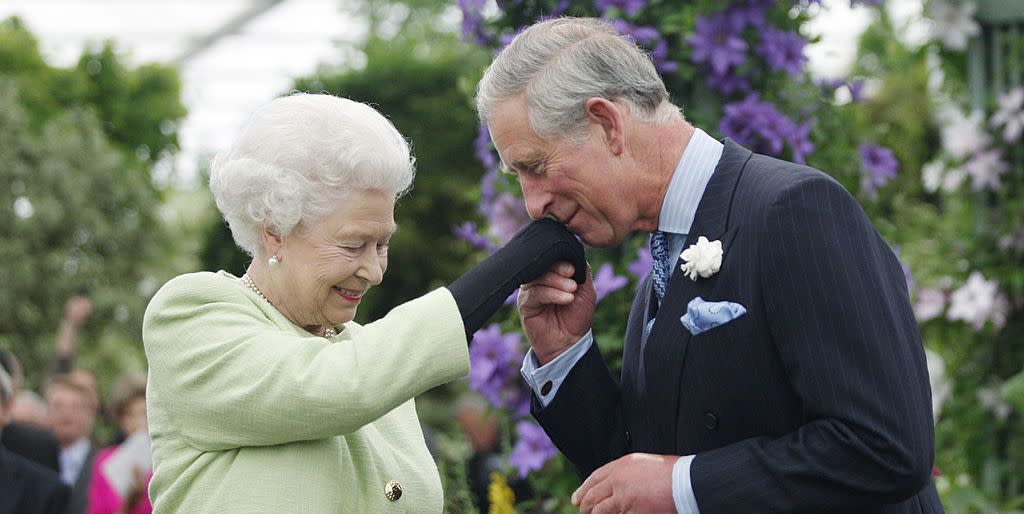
[996, 56]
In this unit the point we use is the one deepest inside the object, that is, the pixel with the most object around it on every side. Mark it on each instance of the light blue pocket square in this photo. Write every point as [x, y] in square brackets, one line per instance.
[701, 315]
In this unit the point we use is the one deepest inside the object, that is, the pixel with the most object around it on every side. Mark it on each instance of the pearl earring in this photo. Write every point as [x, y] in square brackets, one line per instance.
[273, 260]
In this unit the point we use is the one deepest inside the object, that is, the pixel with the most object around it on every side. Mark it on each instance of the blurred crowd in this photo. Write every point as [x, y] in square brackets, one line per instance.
[50, 459]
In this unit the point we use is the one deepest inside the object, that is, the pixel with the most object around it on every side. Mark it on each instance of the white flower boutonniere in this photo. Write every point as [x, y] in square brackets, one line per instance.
[703, 258]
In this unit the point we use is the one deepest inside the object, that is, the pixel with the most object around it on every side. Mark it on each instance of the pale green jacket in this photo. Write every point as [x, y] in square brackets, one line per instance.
[250, 413]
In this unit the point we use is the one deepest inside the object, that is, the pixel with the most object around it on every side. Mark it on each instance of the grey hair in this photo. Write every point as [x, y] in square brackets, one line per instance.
[298, 157]
[558, 64]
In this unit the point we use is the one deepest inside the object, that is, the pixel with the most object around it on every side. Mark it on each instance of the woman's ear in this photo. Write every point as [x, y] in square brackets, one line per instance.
[271, 241]
[609, 116]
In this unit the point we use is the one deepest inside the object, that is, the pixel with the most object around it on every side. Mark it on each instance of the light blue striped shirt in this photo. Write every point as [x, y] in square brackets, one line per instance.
[691, 176]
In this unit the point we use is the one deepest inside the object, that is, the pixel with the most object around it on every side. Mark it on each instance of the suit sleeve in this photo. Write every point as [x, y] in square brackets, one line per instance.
[839, 313]
[225, 378]
[584, 419]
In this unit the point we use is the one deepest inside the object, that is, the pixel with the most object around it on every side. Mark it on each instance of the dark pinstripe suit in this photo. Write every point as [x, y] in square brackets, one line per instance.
[817, 400]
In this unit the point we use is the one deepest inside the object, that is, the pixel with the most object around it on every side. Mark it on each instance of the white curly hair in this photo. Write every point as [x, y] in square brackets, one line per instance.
[298, 157]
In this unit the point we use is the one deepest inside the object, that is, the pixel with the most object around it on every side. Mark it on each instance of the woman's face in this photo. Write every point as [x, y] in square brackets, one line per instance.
[325, 269]
[133, 418]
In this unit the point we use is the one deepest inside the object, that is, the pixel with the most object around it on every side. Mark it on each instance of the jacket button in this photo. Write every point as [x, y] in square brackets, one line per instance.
[710, 421]
[392, 490]
[629, 440]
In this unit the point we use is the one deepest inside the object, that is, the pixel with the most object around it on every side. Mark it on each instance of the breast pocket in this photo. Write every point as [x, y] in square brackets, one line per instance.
[737, 328]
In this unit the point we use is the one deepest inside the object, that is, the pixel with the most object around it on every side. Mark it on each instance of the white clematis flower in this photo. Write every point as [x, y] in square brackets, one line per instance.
[1010, 115]
[953, 25]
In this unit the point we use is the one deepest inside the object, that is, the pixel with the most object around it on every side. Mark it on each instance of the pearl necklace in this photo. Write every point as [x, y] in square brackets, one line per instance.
[328, 332]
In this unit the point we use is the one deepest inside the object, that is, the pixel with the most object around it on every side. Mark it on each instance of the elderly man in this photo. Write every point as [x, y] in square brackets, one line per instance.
[19, 434]
[72, 411]
[774, 366]
[25, 486]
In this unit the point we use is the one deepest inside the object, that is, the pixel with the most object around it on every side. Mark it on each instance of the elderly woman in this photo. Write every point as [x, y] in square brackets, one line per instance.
[264, 396]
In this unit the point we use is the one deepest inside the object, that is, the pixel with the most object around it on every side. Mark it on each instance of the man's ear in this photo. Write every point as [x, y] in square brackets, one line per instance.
[609, 116]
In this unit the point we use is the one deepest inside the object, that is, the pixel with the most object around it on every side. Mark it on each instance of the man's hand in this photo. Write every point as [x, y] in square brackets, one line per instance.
[556, 311]
[638, 483]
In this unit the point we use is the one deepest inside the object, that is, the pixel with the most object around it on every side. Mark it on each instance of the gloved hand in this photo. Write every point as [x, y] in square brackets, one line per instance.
[481, 291]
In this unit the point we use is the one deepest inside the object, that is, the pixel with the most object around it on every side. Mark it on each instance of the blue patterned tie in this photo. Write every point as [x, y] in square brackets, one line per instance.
[661, 270]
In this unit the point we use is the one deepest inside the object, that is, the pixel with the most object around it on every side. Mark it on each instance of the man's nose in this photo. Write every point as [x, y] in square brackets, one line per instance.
[537, 200]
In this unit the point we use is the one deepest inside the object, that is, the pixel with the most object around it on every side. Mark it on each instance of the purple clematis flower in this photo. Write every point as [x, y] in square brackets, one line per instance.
[641, 267]
[532, 449]
[473, 21]
[749, 13]
[760, 126]
[650, 38]
[729, 83]
[783, 50]
[630, 7]
[856, 88]
[717, 43]
[482, 147]
[506, 217]
[879, 164]
[607, 282]
[908, 275]
[494, 372]
[469, 233]
[800, 141]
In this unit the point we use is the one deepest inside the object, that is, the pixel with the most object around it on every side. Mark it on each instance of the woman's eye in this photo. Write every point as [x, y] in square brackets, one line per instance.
[382, 248]
[351, 248]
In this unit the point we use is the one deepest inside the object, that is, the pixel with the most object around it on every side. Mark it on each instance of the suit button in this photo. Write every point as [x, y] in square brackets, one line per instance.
[546, 388]
[629, 440]
[392, 490]
[710, 421]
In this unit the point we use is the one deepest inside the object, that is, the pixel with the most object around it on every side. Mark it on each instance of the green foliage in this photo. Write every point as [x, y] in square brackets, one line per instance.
[75, 215]
[77, 206]
[138, 108]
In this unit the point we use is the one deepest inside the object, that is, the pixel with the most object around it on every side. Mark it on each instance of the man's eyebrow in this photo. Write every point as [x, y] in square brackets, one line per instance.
[525, 164]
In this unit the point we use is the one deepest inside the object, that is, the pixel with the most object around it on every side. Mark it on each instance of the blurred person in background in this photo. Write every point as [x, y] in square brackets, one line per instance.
[263, 394]
[76, 311]
[25, 486]
[481, 429]
[30, 409]
[34, 442]
[71, 407]
[128, 406]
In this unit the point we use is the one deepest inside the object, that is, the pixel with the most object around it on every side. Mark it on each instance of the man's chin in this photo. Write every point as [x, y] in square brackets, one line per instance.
[599, 240]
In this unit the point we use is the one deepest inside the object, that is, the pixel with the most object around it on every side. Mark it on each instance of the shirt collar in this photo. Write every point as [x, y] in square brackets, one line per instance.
[77, 451]
[689, 179]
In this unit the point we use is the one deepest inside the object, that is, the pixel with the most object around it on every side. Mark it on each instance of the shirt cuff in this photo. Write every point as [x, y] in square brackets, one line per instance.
[545, 380]
[682, 489]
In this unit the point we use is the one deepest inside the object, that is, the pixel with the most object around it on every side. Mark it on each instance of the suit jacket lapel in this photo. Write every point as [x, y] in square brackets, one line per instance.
[665, 349]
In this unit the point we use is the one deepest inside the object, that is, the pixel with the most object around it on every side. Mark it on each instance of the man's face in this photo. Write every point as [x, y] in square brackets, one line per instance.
[584, 186]
[70, 412]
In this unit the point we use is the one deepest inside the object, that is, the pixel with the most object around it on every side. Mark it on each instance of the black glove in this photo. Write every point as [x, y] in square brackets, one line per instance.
[531, 253]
